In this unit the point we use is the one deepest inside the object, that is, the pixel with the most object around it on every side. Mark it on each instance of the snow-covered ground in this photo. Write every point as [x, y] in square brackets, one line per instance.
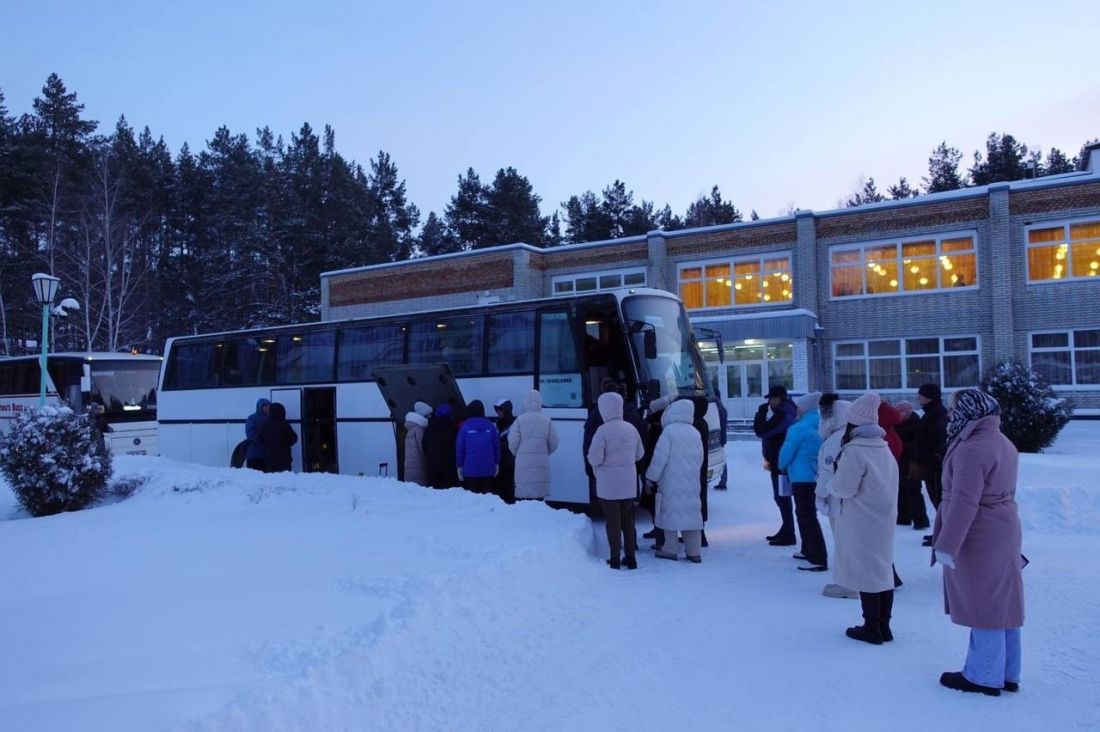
[219, 599]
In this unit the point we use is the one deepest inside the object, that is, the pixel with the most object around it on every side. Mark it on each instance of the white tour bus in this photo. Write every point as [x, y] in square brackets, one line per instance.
[348, 384]
[125, 385]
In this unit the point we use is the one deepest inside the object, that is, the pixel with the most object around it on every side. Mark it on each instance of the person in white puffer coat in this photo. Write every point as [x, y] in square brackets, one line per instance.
[416, 467]
[677, 460]
[614, 454]
[532, 439]
[834, 415]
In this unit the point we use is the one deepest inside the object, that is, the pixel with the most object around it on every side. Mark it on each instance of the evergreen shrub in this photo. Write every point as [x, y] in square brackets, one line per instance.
[54, 460]
[1032, 415]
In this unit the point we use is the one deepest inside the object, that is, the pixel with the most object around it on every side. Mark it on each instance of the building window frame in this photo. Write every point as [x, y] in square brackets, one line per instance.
[724, 272]
[603, 280]
[897, 265]
[1071, 349]
[1067, 245]
[908, 352]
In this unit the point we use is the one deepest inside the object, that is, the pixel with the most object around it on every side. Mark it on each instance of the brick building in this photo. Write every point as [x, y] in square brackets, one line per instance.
[885, 296]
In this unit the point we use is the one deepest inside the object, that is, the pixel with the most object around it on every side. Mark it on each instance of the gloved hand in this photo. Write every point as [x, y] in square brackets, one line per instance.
[945, 559]
[461, 477]
[822, 504]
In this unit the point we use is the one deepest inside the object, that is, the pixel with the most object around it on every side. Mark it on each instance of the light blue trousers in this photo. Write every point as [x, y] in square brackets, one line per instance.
[993, 657]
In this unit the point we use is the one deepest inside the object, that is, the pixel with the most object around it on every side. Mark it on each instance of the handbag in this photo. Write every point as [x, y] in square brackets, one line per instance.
[785, 487]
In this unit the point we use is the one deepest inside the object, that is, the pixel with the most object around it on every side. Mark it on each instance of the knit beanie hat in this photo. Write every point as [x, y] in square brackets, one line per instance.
[864, 410]
[930, 391]
[424, 410]
[808, 402]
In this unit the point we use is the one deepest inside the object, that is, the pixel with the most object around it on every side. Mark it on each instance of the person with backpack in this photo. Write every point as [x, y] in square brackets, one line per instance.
[614, 454]
[477, 450]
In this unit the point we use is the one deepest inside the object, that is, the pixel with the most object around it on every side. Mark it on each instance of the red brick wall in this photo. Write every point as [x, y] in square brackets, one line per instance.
[610, 256]
[723, 241]
[468, 274]
[1054, 199]
[904, 217]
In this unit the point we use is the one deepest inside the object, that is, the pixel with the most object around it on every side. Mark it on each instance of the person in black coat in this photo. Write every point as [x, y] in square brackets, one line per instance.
[911, 508]
[929, 440]
[700, 423]
[504, 485]
[277, 437]
[723, 424]
[648, 499]
[439, 448]
[772, 431]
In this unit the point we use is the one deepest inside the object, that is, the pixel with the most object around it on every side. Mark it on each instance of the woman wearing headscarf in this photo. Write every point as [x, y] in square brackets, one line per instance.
[831, 429]
[977, 538]
[866, 483]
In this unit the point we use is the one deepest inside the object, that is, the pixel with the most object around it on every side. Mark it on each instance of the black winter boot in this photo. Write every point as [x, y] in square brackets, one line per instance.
[886, 607]
[871, 630]
[955, 680]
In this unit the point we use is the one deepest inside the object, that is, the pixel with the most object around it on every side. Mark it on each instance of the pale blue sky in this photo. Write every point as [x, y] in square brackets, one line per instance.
[777, 104]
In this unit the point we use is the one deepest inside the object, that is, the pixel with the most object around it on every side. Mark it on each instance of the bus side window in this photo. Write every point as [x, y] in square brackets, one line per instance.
[191, 366]
[511, 343]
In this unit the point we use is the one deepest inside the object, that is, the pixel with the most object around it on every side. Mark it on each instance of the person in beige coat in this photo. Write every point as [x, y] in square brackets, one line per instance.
[865, 483]
[614, 454]
[416, 421]
[532, 439]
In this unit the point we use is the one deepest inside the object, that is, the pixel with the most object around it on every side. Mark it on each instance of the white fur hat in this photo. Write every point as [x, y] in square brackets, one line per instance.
[864, 410]
[424, 410]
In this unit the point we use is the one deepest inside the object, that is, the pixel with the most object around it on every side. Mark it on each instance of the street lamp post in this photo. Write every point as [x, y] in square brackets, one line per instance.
[45, 289]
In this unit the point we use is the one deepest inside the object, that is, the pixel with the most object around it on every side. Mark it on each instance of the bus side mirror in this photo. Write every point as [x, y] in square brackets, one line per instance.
[649, 344]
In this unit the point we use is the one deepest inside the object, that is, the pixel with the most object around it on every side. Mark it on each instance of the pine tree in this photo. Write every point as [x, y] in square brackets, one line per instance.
[553, 231]
[754, 216]
[865, 193]
[668, 221]
[901, 190]
[1003, 160]
[1057, 162]
[585, 219]
[512, 209]
[943, 170]
[435, 239]
[711, 210]
[468, 212]
[393, 217]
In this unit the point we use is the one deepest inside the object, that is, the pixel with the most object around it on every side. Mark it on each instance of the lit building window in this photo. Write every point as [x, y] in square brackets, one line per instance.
[1069, 251]
[892, 268]
[741, 282]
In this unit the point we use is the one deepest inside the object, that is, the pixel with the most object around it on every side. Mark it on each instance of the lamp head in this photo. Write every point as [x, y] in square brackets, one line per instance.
[45, 287]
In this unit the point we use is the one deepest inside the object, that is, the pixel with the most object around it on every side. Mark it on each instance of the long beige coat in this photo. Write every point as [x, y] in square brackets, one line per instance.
[677, 460]
[532, 438]
[866, 484]
[416, 469]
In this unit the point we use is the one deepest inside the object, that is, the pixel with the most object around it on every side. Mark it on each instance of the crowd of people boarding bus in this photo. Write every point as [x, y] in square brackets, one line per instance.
[860, 463]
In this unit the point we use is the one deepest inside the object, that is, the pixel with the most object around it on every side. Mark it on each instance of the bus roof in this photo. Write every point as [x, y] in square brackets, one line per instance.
[618, 294]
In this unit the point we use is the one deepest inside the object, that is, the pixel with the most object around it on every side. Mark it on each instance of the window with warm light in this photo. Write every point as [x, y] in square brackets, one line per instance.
[741, 282]
[893, 268]
[1065, 251]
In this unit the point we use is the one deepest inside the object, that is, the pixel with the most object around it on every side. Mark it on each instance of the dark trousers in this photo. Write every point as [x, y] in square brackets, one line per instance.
[478, 485]
[933, 485]
[813, 541]
[786, 510]
[911, 508]
[256, 464]
[620, 526]
[723, 483]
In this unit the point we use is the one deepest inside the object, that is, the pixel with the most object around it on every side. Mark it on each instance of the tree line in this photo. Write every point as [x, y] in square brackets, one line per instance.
[154, 244]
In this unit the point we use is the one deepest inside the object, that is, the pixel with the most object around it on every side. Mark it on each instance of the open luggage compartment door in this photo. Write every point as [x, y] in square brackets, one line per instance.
[404, 386]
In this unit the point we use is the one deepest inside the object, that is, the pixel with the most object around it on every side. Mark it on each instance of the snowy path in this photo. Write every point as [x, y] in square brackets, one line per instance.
[296, 610]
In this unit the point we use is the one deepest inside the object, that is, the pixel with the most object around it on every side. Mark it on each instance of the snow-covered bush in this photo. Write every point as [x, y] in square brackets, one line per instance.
[55, 460]
[1031, 414]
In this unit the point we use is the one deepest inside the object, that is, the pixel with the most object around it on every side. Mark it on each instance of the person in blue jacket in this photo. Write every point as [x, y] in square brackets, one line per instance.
[798, 459]
[477, 450]
[255, 457]
[772, 420]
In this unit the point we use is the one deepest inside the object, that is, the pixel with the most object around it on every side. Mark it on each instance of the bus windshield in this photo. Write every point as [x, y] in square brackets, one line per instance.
[677, 367]
[128, 391]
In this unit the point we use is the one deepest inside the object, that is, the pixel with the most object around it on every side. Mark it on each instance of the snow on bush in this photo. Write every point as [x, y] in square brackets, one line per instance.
[1031, 414]
[55, 460]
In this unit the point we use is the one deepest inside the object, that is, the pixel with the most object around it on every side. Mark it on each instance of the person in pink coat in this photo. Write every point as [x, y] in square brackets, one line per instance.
[977, 538]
